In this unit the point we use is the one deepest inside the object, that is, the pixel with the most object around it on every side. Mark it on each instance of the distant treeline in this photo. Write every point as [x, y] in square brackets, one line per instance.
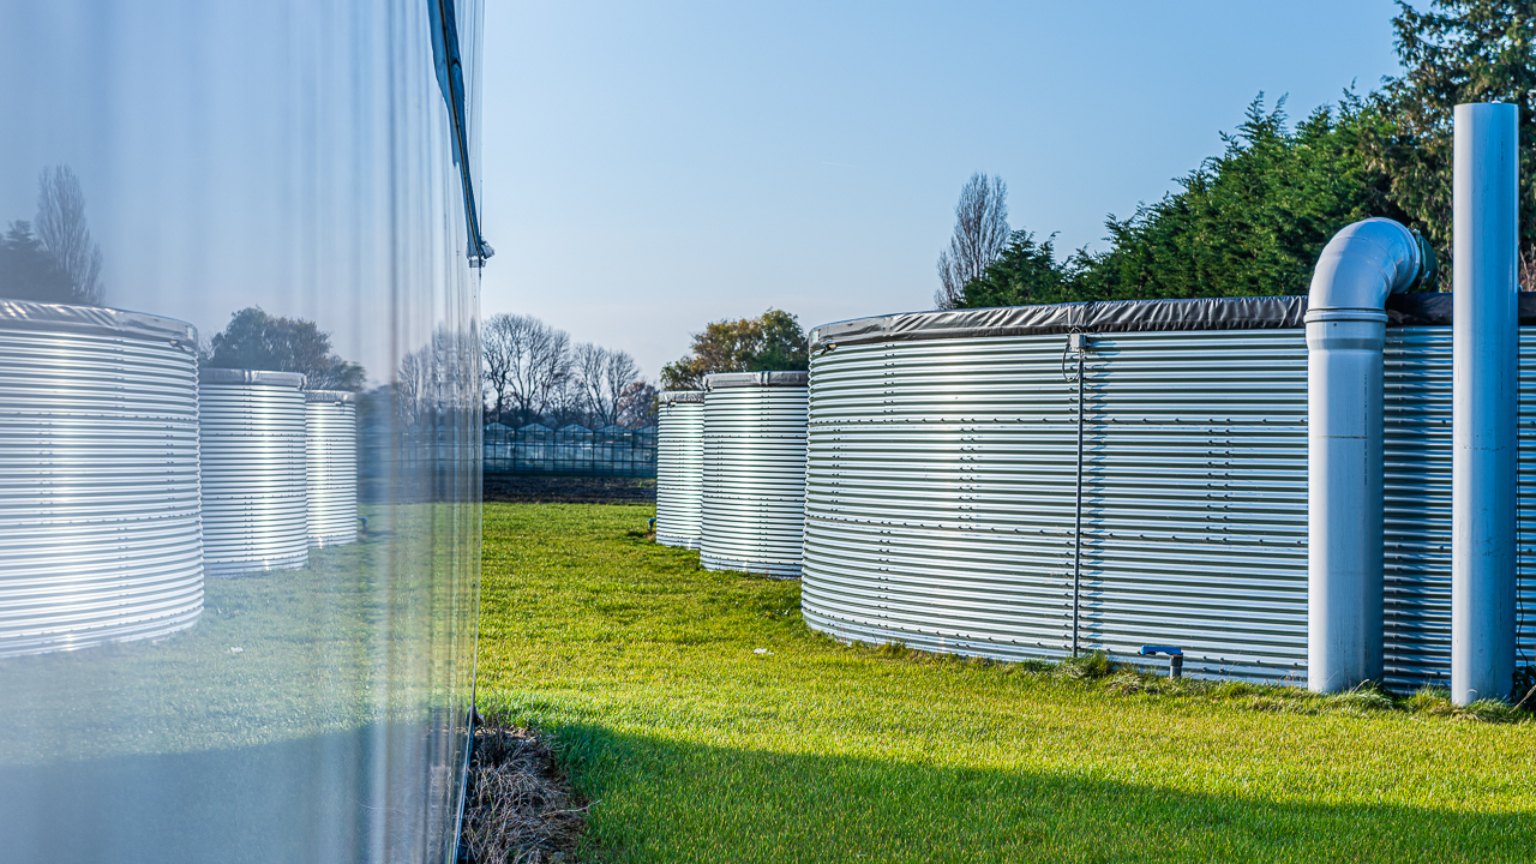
[534, 374]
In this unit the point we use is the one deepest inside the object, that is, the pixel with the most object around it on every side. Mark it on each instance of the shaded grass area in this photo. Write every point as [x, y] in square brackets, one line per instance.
[694, 748]
[275, 656]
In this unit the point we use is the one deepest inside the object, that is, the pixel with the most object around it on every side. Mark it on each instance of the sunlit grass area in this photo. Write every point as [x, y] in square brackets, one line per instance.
[692, 747]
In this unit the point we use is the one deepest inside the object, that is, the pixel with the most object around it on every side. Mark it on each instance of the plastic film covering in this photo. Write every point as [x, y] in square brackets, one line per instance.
[680, 468]
[255, 506]
[98, 478]
[754, 473]
[1123, 316]
[330, 465]
[286, 190]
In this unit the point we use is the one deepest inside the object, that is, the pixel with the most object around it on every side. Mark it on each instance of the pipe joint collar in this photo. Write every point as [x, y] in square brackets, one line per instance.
[1319, 316]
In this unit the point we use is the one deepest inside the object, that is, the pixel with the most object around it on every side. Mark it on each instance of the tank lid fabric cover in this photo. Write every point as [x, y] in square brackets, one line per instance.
[99, 320]
[723, 380]
[213, 375]
[668, 397]
[329, 396]
[1125, 316]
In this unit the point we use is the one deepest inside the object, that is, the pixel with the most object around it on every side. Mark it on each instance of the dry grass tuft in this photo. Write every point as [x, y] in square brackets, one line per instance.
[519, 807]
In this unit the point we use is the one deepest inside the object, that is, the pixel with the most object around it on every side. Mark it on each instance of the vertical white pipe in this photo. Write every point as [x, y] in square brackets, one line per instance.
[1486, 201]
[1346, 330]
[1344, 483]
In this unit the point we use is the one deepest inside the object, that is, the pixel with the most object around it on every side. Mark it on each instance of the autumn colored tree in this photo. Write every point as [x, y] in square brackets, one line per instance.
[772, 342]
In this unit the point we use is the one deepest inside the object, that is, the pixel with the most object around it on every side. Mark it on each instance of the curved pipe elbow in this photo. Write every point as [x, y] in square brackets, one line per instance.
[1364, 263]
[1346, 331]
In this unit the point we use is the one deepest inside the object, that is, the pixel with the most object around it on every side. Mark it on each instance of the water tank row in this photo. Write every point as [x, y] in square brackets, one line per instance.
[126, 476]
[731, 471]
[975, 484]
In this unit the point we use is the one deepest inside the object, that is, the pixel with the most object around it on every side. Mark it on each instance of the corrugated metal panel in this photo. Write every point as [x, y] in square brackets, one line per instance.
[754, 479]
[940, 498]
[939, 495]
[255, 514]
[680, 474]
[330, 434]
[99, 507]
[1195, 509]
[1418, 503]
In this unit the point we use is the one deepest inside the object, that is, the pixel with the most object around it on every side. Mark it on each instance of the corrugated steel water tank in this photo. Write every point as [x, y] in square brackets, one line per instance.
[941, 485]
[255, 513]
[330, 436]
[754, 472]
[680, 468]
[100, 539]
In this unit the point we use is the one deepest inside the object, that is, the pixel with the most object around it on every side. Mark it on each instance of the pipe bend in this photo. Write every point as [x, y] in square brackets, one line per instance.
[1362, 264]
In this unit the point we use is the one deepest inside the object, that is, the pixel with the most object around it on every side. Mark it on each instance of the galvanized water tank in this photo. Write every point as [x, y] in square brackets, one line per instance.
[255, 511]
[680, 468]
[941, 485]
[100, 539]
[754, 472]
[330, 434]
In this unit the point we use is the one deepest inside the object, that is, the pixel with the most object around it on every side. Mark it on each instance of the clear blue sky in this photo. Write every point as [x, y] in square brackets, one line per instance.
[650, 167]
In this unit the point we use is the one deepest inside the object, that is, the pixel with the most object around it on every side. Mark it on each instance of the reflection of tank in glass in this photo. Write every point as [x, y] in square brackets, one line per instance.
[255, 502]
[330, 432]
[297, 184]
[99, 509]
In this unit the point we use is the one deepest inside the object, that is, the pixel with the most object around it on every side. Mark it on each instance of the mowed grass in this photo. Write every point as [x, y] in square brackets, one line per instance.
[693, 748]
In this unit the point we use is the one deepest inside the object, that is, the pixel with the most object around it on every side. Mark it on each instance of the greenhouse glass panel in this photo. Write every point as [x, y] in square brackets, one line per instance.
[239, 282]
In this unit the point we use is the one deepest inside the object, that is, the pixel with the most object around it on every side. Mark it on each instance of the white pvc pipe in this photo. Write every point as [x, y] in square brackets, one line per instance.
[1346, 328]
[1484, 466]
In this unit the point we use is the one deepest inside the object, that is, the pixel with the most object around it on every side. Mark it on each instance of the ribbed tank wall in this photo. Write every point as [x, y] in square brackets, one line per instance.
[100, 536]
[1418, 383]
[255, 514]
[330, 435]
[754, 480]
[1195, 501]
[939, 496]
[680, 474]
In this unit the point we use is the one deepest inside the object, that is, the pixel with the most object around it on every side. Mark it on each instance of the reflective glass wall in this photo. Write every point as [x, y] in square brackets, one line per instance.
[239, 428]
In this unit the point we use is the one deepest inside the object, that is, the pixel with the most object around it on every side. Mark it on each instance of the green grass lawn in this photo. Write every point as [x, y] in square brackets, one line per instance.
[694, 748]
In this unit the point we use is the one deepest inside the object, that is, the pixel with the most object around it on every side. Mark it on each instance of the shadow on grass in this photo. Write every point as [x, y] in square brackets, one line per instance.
[336, 798]
[665, 801]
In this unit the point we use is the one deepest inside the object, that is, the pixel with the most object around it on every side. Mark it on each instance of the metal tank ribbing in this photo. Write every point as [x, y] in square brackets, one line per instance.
[255, 513]
[330, 435]
[99, 506]
[754, 472]
[940, 497]
[680, 468]
[1418, 409]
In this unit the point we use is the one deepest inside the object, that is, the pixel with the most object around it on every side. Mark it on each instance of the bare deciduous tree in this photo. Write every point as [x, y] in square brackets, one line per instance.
[61, 228]
[428, 384]
[533, 363]
[981, 235]
[496, 351]
[600, 379]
